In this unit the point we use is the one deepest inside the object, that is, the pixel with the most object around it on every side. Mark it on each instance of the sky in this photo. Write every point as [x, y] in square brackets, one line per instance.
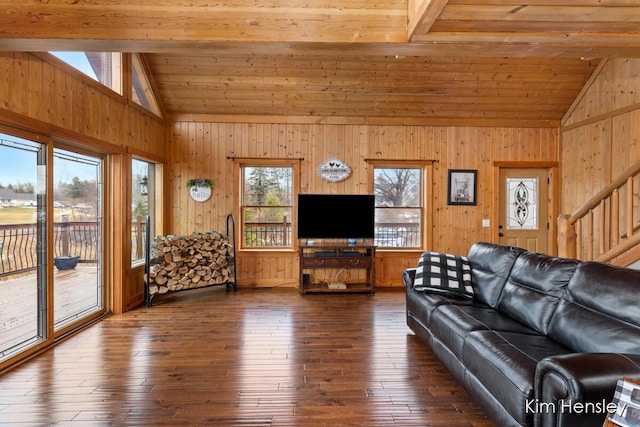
[13, 169]
[78, 60]
[16, 165]
[19, 165]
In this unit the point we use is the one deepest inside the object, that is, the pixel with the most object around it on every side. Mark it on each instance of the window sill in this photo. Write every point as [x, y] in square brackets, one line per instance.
[267, 250]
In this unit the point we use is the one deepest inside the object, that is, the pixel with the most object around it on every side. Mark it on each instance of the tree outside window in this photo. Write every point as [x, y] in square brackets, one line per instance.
[398, 215]
[267, 206]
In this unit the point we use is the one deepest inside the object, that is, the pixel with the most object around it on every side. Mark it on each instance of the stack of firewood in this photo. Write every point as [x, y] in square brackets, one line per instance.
[186, 262]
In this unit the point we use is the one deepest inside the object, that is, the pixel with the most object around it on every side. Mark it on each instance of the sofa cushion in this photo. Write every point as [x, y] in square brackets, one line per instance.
[505, 363]
[534, 288]
[421, 305]
[443, 273]
[452, 323]
[490, 267]
[599, 311]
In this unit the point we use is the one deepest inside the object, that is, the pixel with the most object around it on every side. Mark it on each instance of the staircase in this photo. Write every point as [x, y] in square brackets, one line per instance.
[607, 227]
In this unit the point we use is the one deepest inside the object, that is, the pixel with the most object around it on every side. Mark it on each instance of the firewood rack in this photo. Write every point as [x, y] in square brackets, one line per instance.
[151, 261]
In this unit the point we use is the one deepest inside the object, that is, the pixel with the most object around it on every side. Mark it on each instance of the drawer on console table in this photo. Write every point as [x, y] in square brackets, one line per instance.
[337, 262]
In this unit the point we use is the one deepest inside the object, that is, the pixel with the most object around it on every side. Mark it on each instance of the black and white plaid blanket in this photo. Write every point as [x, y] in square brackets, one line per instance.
[627, 403]
[444, 273]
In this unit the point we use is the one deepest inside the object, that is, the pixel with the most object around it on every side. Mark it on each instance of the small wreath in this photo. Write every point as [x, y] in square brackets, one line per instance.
[199, 189]
[199, 183]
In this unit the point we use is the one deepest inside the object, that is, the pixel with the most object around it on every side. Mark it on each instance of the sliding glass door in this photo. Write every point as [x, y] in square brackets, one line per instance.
[77, 206]
[50, 242]
[23, 231]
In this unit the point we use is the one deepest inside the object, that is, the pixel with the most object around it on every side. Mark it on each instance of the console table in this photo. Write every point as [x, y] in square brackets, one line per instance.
[338, 258]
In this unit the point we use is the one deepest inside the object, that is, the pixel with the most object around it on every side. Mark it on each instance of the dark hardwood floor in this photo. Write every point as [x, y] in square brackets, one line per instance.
[74, 292]
[250, 358]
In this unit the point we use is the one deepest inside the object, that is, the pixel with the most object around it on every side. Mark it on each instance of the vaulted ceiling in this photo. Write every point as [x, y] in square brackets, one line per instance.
[464, 60]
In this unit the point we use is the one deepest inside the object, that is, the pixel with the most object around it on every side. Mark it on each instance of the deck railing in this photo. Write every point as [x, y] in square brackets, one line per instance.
[403, 235]
[138, 239]
[607, 225]
[18, 244]
[267, 233]
[393, 234]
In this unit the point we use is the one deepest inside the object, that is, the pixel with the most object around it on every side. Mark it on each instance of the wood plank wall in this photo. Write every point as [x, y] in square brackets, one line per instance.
[200, 148]
[72, 106]
[50, 98]
[600, 135]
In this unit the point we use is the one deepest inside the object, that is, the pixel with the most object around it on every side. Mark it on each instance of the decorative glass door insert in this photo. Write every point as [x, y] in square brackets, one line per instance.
[522, 203]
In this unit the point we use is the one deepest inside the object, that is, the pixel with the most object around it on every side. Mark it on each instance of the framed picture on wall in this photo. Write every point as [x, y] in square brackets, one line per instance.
[461, 189]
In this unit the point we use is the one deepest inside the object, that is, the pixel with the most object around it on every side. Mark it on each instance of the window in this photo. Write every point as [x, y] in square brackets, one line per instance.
[398, 216]
[266, 205]
[106, 68]
[103, 67]
[141, 92]
[143, 183]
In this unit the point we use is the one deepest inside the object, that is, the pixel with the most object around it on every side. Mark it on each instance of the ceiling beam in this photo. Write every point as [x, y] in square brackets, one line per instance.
[422, 15]
[435, 47]
[328, 21]
[274, 27]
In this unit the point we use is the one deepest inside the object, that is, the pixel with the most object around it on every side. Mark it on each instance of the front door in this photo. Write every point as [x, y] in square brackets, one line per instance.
[524, 208]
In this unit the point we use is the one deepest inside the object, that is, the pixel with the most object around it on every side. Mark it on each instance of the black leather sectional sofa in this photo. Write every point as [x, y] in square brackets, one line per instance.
[543, 341]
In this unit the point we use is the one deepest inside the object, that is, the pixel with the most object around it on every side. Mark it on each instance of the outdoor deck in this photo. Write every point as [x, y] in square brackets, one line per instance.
[74, 291]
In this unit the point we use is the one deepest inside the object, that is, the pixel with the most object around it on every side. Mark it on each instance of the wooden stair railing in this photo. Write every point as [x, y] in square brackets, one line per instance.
[605, 227]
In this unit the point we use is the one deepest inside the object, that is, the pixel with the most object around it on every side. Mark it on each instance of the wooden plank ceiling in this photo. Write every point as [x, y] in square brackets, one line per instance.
[462, 60]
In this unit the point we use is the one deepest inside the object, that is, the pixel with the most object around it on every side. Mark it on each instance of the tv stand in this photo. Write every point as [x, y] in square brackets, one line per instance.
[333, 260]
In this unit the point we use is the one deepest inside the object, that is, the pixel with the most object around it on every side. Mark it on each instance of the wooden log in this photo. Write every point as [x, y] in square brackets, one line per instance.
[202, 259]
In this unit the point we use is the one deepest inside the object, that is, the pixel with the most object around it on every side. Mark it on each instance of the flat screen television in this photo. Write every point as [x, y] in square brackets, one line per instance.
[336, 216]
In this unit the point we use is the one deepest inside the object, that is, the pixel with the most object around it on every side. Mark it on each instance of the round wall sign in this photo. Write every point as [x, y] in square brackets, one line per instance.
[334, 170]
[200, 193]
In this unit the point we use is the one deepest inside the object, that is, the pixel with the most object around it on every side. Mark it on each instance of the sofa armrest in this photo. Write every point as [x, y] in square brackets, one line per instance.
[408, 276]
[564, 383]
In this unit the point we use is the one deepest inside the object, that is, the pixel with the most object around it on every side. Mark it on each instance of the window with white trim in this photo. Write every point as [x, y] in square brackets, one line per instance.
[399, 206]
[267, 194]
